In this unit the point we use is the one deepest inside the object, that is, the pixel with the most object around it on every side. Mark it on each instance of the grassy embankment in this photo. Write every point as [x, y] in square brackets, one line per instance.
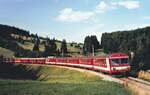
[6, 52]
[43, 80]
[144, 75]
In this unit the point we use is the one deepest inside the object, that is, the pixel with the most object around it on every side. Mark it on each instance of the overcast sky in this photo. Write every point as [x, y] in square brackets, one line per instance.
[74, 19]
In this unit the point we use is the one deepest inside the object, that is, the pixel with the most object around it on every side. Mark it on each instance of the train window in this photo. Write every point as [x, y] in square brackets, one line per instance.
[124, 60]
[119, 61]
[115, 61]
[100, 62]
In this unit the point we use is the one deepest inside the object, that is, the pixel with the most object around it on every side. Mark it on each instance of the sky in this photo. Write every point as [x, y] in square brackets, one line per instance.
[73, 20]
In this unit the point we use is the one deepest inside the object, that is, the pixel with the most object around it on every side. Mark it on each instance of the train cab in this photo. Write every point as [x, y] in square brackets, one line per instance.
[119, 63]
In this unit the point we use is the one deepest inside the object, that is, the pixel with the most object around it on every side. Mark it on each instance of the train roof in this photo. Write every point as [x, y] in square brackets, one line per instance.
[113, 55]
[30, 58]
[118, 55]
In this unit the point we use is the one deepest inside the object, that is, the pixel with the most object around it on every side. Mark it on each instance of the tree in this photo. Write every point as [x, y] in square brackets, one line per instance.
[50, 47]
[85, 45]
[63, 48]
[90, 43]
[36, 43]
[95, 42]
[36, 47]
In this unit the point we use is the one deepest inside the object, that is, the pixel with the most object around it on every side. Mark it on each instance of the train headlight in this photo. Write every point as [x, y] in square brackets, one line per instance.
[129, 68]
[113, 68]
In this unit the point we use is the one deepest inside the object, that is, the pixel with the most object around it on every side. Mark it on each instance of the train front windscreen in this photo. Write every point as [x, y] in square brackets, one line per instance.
[120, 61]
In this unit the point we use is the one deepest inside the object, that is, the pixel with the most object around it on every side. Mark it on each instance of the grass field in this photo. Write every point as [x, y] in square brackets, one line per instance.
[6, 52]
[56, 81]
[29, 46]
[69, 47]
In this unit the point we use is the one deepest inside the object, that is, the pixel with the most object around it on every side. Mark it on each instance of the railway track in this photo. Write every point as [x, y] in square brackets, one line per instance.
[135, 80]
[137, 86]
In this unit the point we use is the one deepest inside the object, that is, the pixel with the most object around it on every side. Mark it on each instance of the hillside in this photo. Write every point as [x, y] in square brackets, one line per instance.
[15, 41]
[6, 52]
[51, 80]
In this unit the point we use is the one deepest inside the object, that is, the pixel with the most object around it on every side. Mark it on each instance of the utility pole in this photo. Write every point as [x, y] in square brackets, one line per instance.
[62, 53]
[93, 50]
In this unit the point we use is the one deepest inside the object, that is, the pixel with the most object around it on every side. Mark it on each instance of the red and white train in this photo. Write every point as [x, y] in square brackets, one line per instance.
[113, 64]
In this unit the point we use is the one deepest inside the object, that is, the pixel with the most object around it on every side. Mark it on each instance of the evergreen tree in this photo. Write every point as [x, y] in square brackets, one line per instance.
[90, 43]
[50, 47]
[36, 52]
[85, 45]
[36, 43]
[95, 42]
[63, 48]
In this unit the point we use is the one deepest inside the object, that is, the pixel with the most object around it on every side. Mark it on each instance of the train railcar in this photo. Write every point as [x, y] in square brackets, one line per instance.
[112, 64]
[119, 62]
[30, 60]
[101, 63]
[86, 62]
[9, 60]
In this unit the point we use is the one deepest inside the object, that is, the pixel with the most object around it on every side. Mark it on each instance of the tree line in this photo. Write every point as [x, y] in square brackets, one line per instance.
[136, 42]
[50, 48]
[10, 42]
[6, 31]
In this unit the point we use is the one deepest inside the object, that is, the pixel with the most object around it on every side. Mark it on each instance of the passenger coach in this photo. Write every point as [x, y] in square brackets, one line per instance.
[112, 64]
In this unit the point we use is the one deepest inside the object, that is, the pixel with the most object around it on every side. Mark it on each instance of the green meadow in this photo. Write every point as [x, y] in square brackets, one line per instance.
[51, 80]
